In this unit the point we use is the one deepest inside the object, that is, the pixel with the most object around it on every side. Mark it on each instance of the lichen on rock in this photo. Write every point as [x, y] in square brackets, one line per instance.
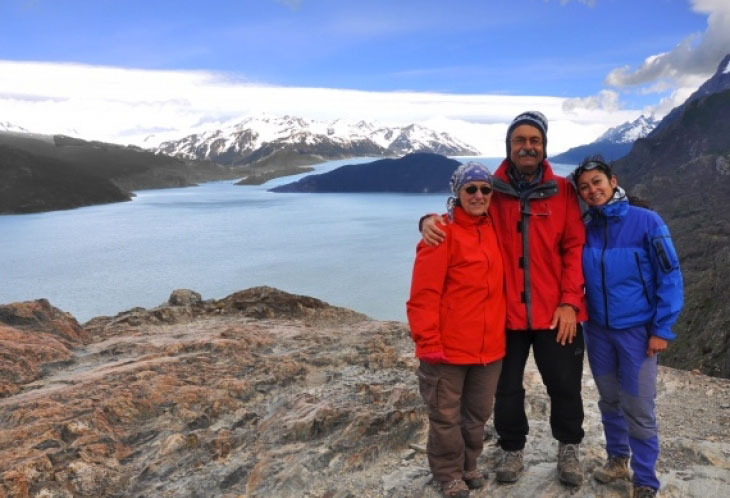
[265, 393]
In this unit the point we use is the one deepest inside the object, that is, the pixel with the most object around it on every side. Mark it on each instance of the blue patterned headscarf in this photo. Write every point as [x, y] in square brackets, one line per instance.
[469, 172]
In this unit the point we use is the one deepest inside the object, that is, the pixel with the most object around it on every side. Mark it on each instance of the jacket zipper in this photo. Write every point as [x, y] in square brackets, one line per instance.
[525, 227]
[603, 269]
[641, 276]
[479, 238]
[543, 191]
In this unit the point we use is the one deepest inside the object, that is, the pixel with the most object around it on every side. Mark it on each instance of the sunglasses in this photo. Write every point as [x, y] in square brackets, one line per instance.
[590, 166]
[472, 189]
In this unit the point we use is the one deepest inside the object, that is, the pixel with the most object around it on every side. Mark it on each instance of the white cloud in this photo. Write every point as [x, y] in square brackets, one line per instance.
[606, 100]
[679, 71]
[697, 56]
[128, 105]
[666, 104]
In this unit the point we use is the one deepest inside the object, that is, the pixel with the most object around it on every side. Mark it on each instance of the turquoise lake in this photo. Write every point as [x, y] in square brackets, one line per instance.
[352, 250]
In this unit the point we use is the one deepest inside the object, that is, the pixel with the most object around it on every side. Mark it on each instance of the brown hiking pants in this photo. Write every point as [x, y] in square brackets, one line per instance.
[459, 399]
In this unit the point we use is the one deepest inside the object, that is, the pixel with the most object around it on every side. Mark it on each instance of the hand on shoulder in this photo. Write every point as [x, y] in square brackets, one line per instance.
[430, 231]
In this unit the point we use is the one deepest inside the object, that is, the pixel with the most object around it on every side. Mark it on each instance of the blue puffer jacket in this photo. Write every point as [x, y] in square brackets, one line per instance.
[631, 270]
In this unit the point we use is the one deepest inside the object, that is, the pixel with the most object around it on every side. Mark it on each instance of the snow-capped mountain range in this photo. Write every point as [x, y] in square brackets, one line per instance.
[629, 132]
[259, 137]
[6, 126]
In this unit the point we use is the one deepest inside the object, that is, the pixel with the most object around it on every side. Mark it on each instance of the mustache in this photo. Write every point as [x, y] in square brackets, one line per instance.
[527, 152]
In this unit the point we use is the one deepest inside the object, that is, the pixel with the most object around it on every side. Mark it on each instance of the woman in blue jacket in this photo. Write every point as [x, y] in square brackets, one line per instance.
[634, 295]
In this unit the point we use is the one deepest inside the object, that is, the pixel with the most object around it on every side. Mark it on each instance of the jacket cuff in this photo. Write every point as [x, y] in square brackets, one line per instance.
[664, 334]
[431, 348]
[575, 302]
[422, 219]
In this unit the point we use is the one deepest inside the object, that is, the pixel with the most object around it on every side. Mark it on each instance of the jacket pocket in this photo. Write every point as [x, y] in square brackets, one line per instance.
[666, 262]
[428, 384]
[641, 277]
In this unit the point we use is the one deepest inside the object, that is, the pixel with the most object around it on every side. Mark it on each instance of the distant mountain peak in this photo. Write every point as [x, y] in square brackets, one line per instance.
[629, 132]
[718, 82]
[614, 143]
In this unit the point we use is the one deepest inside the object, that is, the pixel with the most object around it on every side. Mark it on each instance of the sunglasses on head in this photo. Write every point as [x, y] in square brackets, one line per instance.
[472, 189]
[590, 166]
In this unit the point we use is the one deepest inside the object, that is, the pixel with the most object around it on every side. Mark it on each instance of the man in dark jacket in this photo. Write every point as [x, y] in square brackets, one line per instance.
[541, 235]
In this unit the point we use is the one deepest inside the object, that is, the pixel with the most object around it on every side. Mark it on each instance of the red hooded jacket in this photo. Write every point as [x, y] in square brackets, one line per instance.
[541, 236]
[457, 303]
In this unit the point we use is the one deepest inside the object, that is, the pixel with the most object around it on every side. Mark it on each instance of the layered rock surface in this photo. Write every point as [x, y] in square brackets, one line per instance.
[265, 393]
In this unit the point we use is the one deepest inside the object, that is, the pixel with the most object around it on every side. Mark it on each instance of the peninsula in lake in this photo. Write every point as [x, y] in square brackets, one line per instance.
[419, 172]
[49, 172]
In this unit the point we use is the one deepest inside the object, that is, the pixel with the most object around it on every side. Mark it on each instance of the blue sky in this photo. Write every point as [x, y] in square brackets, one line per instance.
[572, 50]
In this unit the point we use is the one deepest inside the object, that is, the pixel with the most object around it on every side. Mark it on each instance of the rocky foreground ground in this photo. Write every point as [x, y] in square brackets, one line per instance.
[267, 394]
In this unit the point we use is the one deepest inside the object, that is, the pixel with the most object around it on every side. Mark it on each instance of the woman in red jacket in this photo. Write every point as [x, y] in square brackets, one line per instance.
[457, 315]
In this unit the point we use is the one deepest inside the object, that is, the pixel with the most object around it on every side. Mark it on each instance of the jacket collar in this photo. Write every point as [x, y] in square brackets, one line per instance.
[615, 209]
[465, 219]
[547, 186]
[547, 171]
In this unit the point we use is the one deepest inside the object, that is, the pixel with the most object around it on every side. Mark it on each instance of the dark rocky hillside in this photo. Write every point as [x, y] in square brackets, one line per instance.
[683, 170]
[42, 173]
[29, 183]
[417, 173]
[719, 82]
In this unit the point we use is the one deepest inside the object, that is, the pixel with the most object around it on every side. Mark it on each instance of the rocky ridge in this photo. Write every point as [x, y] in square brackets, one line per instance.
[265, 393]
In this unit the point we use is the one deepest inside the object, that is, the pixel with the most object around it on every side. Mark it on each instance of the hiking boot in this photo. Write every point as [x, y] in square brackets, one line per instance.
[510, 466]
[644, 492]
[474, 478]
[570, 470]
[454, 489]
[617, 467]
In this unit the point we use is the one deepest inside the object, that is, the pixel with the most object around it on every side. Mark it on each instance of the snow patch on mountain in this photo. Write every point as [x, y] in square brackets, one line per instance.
[256, 132]
[629, 132]
[6, 126]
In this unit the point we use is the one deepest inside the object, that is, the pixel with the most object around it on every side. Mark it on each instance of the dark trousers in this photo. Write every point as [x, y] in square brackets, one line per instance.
[561, 368]
[459, 399]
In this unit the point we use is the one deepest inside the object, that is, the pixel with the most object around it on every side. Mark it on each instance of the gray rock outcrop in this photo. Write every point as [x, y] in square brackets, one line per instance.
[265, 393]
